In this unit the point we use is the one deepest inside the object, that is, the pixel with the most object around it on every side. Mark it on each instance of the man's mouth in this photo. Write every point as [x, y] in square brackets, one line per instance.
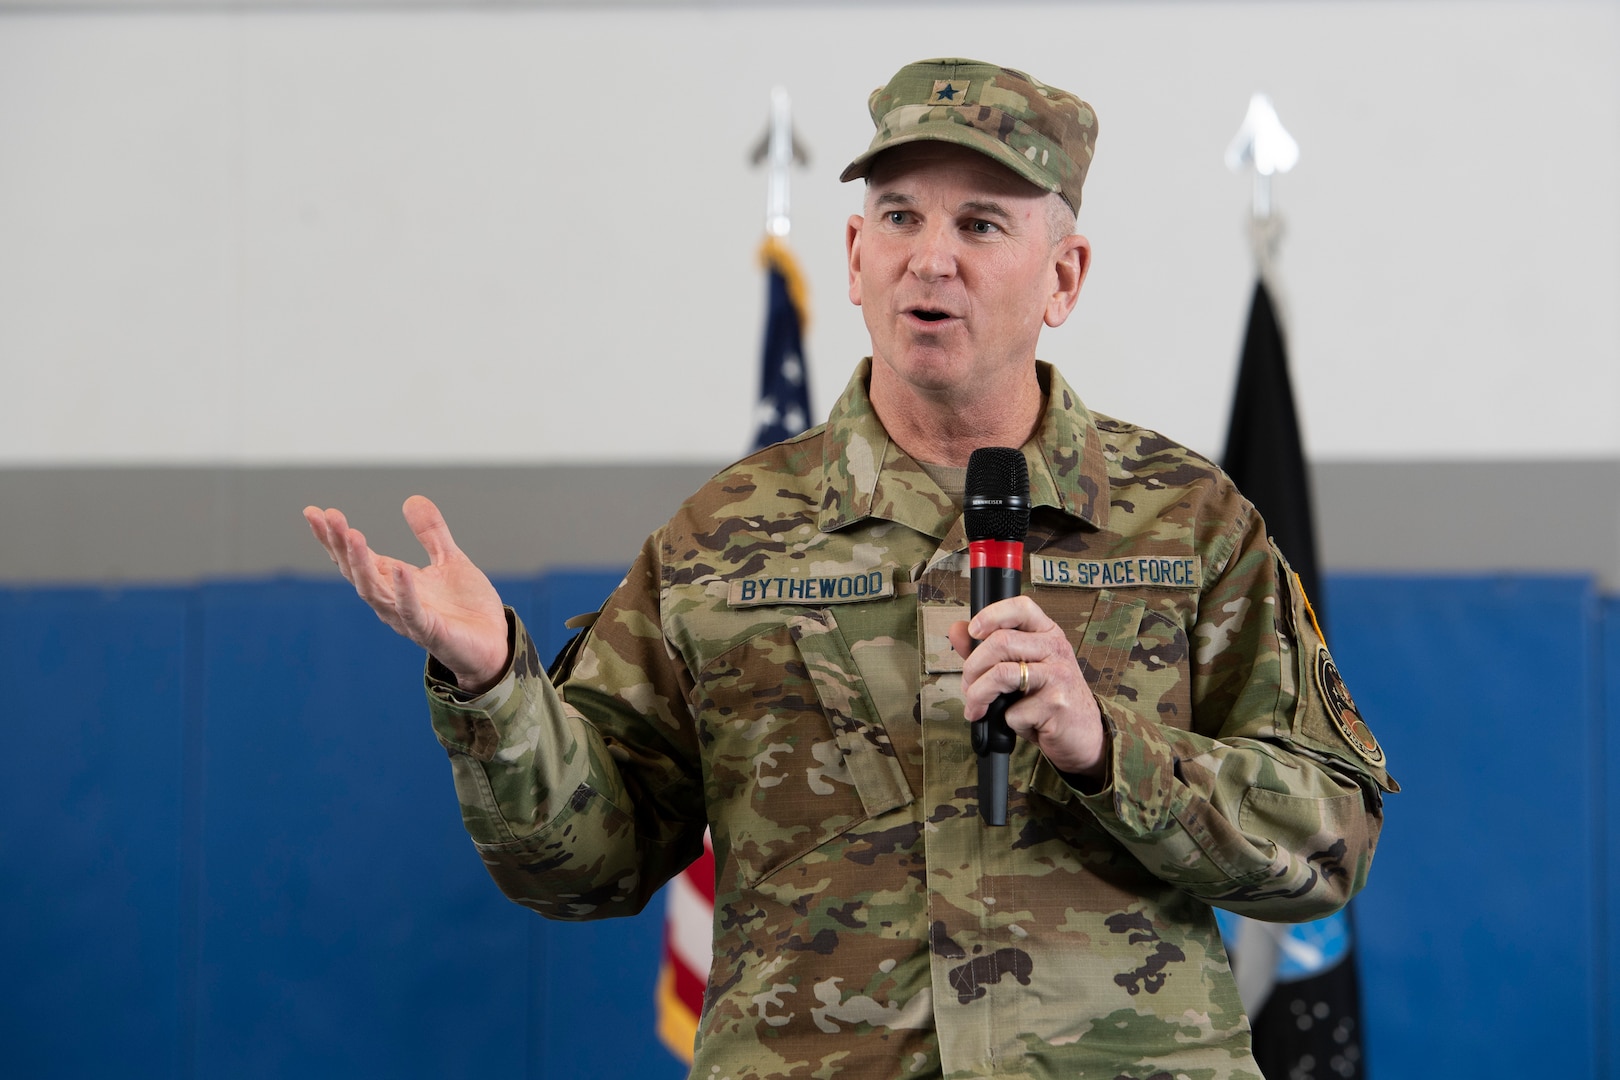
[929, 314]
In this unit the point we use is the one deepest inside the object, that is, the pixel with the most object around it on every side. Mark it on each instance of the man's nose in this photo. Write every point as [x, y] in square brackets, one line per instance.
[934, 256]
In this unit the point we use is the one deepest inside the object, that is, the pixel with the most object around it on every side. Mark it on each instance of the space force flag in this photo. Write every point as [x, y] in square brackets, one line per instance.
[1298, 982]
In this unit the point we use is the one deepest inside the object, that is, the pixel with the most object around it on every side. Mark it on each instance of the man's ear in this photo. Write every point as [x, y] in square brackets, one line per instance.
[1072, 258]
[852, 247]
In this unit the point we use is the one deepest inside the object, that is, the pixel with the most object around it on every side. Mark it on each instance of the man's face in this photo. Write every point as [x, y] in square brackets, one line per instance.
[955, 269]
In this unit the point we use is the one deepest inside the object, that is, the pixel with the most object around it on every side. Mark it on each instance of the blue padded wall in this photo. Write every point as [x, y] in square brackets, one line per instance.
[232, 847]
[1480, 937]
[347, 927]
[1607, 840]
[95, 922]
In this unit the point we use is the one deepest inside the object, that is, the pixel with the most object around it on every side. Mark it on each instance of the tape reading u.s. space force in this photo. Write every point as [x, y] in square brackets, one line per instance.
[1137, 571]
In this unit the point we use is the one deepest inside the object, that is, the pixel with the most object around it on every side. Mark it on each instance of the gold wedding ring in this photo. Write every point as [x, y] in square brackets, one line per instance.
[1023, 677]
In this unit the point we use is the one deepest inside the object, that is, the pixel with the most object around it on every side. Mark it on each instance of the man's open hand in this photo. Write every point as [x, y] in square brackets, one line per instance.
[448, 607]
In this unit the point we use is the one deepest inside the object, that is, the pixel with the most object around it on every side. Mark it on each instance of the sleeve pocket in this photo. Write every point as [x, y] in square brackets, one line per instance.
[1323, 828]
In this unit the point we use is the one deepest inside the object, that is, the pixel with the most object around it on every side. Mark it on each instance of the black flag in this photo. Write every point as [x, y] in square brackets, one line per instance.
[1265, 456]
[1310, 1023]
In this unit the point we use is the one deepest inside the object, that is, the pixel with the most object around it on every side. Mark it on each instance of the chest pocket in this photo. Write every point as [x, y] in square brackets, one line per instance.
[1131, 648]
[1129, 651]
[1104, 641]
[795, 754]
[1103, 627]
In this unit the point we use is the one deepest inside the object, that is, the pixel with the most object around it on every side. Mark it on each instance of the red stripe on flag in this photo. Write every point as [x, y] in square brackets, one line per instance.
[688, 947]
[700, 875]
[689, 986]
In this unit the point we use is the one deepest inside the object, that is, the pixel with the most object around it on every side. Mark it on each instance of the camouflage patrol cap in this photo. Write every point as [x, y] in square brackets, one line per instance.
[1041, 133]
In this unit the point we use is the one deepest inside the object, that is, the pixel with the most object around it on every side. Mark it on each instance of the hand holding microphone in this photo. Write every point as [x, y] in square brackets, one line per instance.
[995, 511]
[1028, 666]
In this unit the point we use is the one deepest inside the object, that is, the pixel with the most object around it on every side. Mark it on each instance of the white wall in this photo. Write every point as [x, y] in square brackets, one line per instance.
[527, 234]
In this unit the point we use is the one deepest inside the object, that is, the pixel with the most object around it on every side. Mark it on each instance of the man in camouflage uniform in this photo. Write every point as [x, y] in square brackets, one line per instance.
[784, 664]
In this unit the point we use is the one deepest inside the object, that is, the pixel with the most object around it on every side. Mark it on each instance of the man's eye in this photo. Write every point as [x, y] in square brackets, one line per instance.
[983, 227]
[897, 217]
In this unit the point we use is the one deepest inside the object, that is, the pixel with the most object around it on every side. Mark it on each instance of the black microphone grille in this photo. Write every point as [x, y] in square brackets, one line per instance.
[996, 502]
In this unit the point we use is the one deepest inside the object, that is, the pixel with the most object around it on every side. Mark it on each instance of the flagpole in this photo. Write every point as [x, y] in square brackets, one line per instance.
[1264, 148]
[779, 163]
[779, 150]
[1264, 145]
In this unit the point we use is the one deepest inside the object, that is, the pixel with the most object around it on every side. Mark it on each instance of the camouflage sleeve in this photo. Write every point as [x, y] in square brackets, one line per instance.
[1271, 804]
[581, 798]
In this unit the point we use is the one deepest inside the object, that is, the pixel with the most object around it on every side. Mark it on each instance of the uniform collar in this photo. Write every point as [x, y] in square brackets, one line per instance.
[867, 475]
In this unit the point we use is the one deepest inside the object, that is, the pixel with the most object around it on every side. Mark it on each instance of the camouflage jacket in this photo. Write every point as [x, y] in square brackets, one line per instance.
[775, 667]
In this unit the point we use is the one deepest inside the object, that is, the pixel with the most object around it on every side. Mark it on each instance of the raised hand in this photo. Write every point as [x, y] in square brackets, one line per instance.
[448, 607]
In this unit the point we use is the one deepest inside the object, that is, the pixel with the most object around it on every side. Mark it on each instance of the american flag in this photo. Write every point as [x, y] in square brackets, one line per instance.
[688, 946]
[784, 392]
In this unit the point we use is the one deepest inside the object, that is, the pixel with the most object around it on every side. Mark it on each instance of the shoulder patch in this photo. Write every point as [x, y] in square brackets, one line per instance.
[1342, 710]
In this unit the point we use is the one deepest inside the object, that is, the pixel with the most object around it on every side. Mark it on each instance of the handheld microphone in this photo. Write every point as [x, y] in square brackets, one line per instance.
[995, 512]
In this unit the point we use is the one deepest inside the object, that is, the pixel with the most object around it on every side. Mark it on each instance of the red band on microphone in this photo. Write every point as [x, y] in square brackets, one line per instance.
[996, 555]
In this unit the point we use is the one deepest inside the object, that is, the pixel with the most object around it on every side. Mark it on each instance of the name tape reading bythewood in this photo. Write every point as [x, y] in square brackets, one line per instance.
[810, 588]
[1141, 571]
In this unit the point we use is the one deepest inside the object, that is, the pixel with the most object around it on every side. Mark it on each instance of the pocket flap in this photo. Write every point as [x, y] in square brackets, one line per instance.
[1110, 635]
[868, 752]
